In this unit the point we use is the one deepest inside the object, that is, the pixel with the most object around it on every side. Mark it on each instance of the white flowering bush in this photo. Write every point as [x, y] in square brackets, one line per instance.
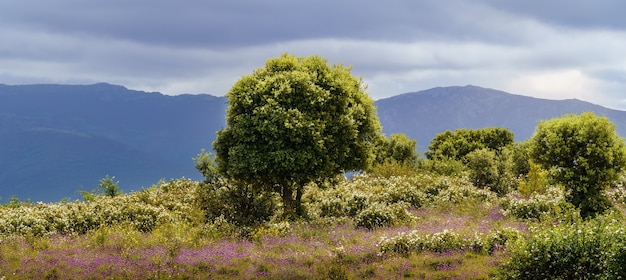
[144, 210]
[594, 249]
[618, 195]
[380, 215]
[463, 190]
[375, 201]
[551, 203]
[405, 243]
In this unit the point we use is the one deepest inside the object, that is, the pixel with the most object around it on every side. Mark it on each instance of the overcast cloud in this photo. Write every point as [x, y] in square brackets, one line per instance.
[550, 49]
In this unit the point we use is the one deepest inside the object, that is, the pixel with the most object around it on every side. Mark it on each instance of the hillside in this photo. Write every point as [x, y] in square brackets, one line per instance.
[423, 114]
[57, 139]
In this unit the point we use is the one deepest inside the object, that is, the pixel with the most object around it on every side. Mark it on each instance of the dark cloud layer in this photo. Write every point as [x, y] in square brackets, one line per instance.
[552, 49]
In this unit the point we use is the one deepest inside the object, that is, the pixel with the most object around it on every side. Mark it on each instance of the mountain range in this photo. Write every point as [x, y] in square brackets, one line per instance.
[58, 139]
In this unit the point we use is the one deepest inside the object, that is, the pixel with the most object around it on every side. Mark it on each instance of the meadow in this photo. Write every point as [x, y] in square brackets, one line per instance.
[418, 226]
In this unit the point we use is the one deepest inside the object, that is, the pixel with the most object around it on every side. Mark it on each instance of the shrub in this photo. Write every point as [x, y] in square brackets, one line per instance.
[551, 205]
[491, 170]
[591, 250]
[405, 243]
[446, 167]
[143, 211]
[239, 204]
[535, 182]
[375, 215]
[392, 167]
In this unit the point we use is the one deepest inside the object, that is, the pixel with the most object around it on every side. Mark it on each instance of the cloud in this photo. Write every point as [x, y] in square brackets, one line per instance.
[559, 49]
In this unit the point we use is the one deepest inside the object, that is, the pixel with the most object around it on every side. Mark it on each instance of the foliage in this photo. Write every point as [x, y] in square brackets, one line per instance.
[108, 187]
[443, 166]
[405, 243]
[491, 170]
[205, 163]
[536, 180]
[392, 167]
[584, 154]
[293, 121]
[594, 249]
[378, 201]
[170, 203]
[239, 204]
[483, 169]
[539, 206]
[520, 158]
[397, 148]
[457, 144]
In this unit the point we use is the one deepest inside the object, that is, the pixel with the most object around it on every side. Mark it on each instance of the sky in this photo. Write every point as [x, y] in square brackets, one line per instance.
[554, 49]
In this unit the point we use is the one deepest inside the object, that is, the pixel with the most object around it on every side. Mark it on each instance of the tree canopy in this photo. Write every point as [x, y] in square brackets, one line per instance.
[293, 121]
[398, 147]
[582, 152]
[457, 144]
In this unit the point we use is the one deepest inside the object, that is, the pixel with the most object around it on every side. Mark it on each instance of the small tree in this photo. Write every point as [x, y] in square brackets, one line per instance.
[238, 203]
[205, 163]
[491, 170]
[483, 169]
[294, 121]
[457, 144]
[398, 148]
[108, 187]
[584, 153]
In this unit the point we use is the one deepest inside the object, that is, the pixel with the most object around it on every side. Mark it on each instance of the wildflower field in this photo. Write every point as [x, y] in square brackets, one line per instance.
[421, 226]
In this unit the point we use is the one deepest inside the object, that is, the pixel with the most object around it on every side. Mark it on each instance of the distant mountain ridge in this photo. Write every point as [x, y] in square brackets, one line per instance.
[57, 139]
[429, 112]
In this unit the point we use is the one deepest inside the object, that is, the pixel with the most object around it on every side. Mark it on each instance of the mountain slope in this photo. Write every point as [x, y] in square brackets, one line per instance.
[422, 115]
[57, 139]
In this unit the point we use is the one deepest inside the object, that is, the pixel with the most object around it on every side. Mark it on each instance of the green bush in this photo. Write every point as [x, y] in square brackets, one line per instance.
[446, 167]
[351, 198]
[551, 204]
[238, 204]
[595, 249]
[405, 243]
[392, 167]
[143, 211]
[376, 215]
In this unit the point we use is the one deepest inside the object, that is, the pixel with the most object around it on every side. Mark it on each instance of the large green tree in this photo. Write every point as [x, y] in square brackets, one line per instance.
[457, 144]
[294, 121]
[584, 153]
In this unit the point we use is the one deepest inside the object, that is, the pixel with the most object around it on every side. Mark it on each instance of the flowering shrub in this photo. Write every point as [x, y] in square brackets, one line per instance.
[379, 215]
[537, 205]
[594, 249]
[144, 210]
[617, 195]
[404, 243]
[271, 230]
[371, 200]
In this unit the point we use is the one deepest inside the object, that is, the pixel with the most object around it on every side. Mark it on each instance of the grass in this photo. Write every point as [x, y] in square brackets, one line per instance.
[307, 252]
[178, 245]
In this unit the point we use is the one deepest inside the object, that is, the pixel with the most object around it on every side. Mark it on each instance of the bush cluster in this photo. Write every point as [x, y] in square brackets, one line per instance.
[551, 204]
[594, 249]
[377, 201]
[406, 243]
[171, 202]
[238, 204]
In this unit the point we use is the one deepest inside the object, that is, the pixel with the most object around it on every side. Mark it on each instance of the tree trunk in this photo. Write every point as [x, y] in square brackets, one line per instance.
[288, 203]
[298, 204]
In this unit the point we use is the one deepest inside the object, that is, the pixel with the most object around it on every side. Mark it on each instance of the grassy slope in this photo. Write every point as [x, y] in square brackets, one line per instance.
[176, 245]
